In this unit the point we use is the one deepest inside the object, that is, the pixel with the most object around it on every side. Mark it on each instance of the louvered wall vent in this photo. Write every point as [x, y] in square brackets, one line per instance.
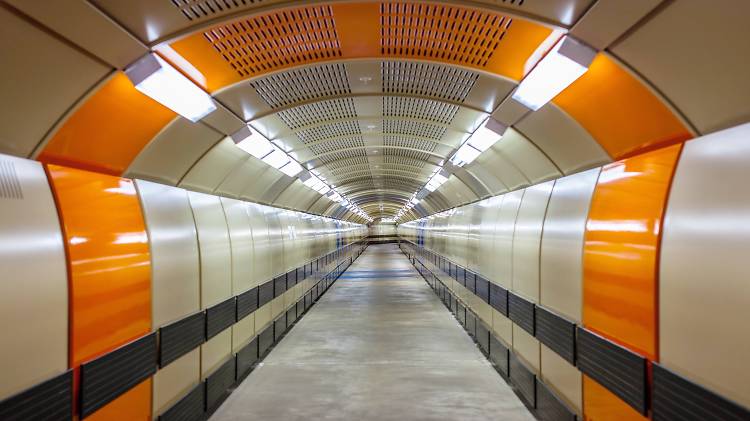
[419, 109]
[268, 42]
[318, 112]
[413, 128]
[199, 9]
[10, 185]
[293, 86]
[329, 131]
[436, 31]
[424, 79]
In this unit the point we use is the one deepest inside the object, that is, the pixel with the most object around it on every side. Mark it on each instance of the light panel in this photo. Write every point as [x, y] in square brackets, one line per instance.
[568, 60]
[157, 79]
[291, 168]
[277, 158]
[252, 142]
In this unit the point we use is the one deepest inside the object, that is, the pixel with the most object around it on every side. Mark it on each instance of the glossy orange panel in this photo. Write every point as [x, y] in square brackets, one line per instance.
[134, 405]
[108, 257]
[621, 249]
[267, 42]
[621, 113]
[599, 404]
[108, 130]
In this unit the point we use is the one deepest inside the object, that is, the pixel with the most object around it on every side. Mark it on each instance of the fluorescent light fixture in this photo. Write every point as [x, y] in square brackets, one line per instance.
[291, 168]
[465, 155]
[164, 84]
[487, 134]
[566, 62]
[252, 142]
[431, 186]
[414, 201]
[277, 158]
[323, 188]
[441, 177]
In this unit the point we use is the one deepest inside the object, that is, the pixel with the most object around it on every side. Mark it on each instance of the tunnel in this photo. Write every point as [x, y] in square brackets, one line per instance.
[374, 210]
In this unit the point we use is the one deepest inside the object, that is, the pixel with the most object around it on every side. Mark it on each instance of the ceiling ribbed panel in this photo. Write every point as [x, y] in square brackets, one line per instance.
[408, 154]
[425, 79]
[413, 128]
[318, 112]
[419, 109]
[408, 142]
[329, 131]
[336, 144]
[306, 84]
[199, 9]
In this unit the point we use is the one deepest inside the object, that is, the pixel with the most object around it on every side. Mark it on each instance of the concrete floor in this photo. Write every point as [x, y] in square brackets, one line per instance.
[378, 346]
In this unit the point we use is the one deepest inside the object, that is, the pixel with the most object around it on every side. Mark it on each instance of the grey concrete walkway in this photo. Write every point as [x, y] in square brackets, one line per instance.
[378, 346]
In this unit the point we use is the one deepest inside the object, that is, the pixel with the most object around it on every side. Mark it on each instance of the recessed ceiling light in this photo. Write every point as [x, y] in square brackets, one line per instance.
[365, 79]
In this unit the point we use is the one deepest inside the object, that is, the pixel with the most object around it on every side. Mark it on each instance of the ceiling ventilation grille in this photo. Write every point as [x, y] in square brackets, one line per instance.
[424, 79]
[318, 112]
[348, 161]
[402, 161]
[10, 185]
[268, 42]
[290, 87]
[328, 131]
[409, 154]
[442, 32]
[419, 109]
[413, 128]
[337, 144]
[198, 9]
[411, 143]
[335, 156]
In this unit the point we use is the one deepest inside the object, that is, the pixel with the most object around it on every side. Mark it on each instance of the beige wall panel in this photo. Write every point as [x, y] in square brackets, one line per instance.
[261, 244]
[240, 177]
[214, 166]
[703, 73]
[320, 205]
[41, 78]
[297, 196]
[489, 210]
[527, 347]
[534, 165]
[527, 239]
[262, 317]
[486, 177]
[473, 233]
[277, 306]
[561, 261]
[242, 332]
[215, 351]
[704, 295]
[215, 250]
[172, 152]
[241, 241]
[607, 20]
[277, 240]
[504, 230]
[173, 381]
[34, 287]
[563, 378]
[505, 170]
[488, 92]
[502, 327]
[562, 139]
[76, 20]
[255, 190]
[175, 263]
[243, 100]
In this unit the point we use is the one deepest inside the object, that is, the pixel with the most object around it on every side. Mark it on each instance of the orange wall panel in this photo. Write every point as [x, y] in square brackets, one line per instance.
[134, 405]
[109, 266]
[621, 249]
[619, 111]
[599, 404]
[108, 130]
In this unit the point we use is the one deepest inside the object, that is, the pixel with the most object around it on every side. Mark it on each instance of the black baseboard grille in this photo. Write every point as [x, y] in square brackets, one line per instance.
[179, 338]
[51, 400]
[111, 375]
[247, 303]
[220, 317]
[482, 337]
[291, 316]
[190, 408]
[677, 398]
[279, 285]
[616, 368]
[265, 294]
[265, 340]
[247, 357]
[499, 299]
[523, 379]
[549, 407]
[482, 287]
[521, 312]
[279, 327]
[557, 333]
[499, 355]
[471, 324]
[218, 384]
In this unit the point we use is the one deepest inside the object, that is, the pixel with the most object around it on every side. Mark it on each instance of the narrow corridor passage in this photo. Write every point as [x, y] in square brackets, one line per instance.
[378, 346]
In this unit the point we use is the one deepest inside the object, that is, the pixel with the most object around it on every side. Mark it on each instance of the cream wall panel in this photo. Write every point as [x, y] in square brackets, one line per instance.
[490, 181]
[506, 171]
[502, 327]
[261, 244]
[242, 332]
[563, 378]
[534, 165]
[214, 166]
[215, 352]
[702, 72]
[41, 78]
[527, 347]
[473, 232]
[171, 153]
[489, 210]
[704, 295]
[215, 250]
[277, 240]
[175, 263]
[527, 239]
[238, 179]
[34, 287]
[172, 382]
[241, 241]
[255, 190]
[561, 261]
[562, 139]
[504, 230]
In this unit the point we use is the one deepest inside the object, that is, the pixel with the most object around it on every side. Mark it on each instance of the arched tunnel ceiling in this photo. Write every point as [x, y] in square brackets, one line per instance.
[372, 95]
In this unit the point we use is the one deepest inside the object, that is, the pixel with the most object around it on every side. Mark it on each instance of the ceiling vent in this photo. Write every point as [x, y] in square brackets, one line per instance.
[10, 185]
[329, 131]
[413, 128]
[419, 109]
[318, 112]
[199, 9]
[306, 84]
[428, 80]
